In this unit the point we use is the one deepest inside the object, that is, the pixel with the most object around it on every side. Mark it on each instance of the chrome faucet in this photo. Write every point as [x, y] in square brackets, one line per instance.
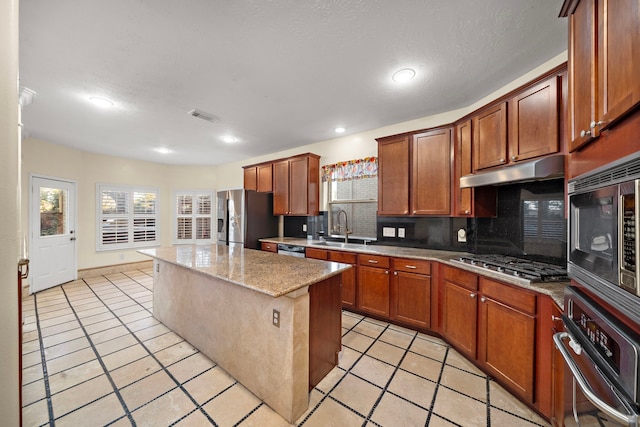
[346, 225]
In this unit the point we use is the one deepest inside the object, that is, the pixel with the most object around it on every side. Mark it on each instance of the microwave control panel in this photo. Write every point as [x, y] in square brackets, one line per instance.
[628, 242]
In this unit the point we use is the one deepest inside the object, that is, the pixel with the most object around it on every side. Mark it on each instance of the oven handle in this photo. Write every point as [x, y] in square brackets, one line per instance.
[630, 420]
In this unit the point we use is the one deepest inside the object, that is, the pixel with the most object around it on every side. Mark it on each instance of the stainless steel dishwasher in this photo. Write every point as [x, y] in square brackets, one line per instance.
[291, 250]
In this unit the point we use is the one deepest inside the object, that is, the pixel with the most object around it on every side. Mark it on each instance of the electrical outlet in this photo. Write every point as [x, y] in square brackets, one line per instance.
[276, 318]
[462, 235]
[401, 233]
[304, 227]
[388, 231]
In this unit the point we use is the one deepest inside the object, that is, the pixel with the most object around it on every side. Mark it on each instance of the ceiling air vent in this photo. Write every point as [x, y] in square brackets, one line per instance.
[203, 115]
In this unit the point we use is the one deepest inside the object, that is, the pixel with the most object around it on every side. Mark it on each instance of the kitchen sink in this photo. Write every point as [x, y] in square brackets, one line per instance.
[341, 245]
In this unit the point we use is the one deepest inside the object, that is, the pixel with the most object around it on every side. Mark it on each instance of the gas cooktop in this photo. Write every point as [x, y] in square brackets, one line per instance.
[533, 271]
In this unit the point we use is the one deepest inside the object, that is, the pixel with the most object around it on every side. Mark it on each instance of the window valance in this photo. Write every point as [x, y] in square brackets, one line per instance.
[351, 169]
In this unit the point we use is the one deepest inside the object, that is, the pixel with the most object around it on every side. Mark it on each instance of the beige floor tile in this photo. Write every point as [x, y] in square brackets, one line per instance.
[195, 419]
[502, 399]
[177, 352]
[501, 418]
[116, 344]
[393, 411]
[163, 341]
[123, 357]
[66, 347]
[164, 410]
[465, 382]
[93, 312]
[36, 414]
[33, 392]
[54, 314]
[373, 370]
[460, 409]
[264, 416]
[97, 318]
[359, 394]
[134, 317]
[428, 348]
[80, 395]
[128, 310]
[137, 394]
[413, 388]
[31, 374]
[332, 414]
[357, 341]
[100, 412]
[119, 303]
[108, 334]
[349, 320]
[231, 406]
[63, 337]
[82, 308]
[437, 421]
[369, 329]
[327, 383]
[73, 376]
[347, 358]
[456, 359]
[31, 359]
[397, 338]
[152, 332]
[134, 371]
[188, 368]
[204, 387]
[30, 346]
[142, 323]
[70, 360]
[314, 398]
[420, 365]
[59, 328]
[386, 352]
[102, 326]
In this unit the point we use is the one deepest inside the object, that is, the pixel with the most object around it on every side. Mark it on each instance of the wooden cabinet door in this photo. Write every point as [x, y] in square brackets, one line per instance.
[490, 137]
[393, 176]
[431, 173]
[298, 186]
[582, 71]
[506, 345]
[348, 277]
[459, 317]
[281, 188]
[462, 157]
[411, 299]
[265, 178]
[534, 121]
[618, 58]
[316, 253]
[251, 178]
[373, 290]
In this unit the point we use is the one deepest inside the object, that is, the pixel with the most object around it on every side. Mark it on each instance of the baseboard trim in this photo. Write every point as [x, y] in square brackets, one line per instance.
[111, 269]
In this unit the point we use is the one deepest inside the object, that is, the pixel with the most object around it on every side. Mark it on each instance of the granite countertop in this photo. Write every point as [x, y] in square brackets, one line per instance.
[264, 272]
[554, 289]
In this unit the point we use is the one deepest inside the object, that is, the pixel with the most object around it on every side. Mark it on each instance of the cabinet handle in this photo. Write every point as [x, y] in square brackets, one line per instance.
[386, 272]
[483, 299]
[584, 133]
[595, 124]
[405, 212]
[554, 318]
[501, 160]
[415, 212]
[395, 273]
[372, 261]
[411, 266]
[514, 158]
[467, 212]
[472, 295]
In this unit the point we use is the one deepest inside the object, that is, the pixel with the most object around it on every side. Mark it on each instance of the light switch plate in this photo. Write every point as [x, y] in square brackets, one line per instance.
[388, 231]
[401, 233]
[462, 235]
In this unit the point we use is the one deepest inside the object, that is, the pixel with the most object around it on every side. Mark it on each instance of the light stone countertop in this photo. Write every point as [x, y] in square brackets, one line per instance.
[554, 289]
[265, 272]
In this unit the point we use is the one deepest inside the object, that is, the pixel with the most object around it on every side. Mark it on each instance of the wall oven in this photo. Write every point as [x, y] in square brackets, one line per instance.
[603, 243]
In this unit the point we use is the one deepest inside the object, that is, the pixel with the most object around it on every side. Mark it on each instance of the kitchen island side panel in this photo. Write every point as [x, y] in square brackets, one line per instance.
[232, 325]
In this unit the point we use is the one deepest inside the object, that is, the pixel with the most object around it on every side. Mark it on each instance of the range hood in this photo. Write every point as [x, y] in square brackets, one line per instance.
[535, 170]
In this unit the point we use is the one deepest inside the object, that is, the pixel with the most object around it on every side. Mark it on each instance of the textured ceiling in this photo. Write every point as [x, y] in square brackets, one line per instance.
[278, 74]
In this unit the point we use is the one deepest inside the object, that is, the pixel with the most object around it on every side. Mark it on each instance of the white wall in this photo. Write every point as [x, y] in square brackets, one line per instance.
[9, 229]
[40, 157]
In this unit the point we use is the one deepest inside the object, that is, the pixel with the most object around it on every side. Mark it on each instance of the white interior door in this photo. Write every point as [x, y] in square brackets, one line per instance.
[52, 249]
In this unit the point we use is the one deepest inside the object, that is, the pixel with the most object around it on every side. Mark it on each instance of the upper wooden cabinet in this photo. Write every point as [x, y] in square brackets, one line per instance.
[604, 64]
[296, 185]
[490, 137]
[414, 174]
[259, 177]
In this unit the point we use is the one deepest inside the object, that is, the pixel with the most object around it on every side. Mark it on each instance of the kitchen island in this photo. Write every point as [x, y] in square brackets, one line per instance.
[272, 322]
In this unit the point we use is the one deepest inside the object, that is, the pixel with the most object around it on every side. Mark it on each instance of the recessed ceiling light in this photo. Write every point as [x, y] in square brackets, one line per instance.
[340, 129]
[229, 139]
[101, 102]
[163, 150]
[404, 75]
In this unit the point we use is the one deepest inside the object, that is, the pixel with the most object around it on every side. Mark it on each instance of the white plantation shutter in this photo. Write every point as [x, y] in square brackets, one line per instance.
[193, 210]
[127, 217]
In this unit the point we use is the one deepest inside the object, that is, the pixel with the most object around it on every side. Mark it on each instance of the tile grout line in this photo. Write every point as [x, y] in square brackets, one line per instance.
[104, 367]
[45, 373]
[435, 391]
[164, 368]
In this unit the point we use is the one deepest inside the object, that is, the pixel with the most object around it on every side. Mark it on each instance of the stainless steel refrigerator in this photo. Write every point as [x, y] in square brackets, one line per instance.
[243, 217]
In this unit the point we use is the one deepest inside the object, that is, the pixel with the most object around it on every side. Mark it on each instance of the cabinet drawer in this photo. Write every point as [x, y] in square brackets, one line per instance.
[412, 265]
[316, 253]
[373, 260]
[460, 277]
[517, 298]
[269, 247]
[344, 257]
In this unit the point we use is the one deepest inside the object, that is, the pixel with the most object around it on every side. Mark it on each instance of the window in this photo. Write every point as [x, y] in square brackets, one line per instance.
[127, 217]
[192, 217]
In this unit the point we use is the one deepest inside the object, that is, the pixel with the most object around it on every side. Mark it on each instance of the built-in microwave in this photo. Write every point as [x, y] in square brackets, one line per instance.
[603, 245]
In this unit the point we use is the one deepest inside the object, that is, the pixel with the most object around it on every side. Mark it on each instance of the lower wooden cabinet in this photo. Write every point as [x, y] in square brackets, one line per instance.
[411, 292]
[269, 247]
[374, 289]
[460, 309]
[348, 277]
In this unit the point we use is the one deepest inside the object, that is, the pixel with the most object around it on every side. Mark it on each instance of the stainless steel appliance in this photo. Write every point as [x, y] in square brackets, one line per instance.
[603, 356]
[291, 250]
[244, 217]
[603, 244]
[531, 271]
